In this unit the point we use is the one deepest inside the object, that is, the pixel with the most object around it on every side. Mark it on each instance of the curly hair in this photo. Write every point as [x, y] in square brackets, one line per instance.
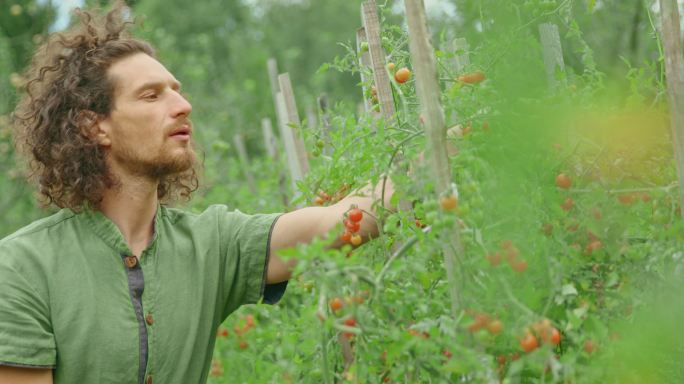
[67, 89]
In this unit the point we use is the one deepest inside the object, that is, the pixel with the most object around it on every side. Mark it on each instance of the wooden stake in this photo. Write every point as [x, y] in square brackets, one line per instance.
[244, 162]
[371, 25]
[428, 92]
[672, 46]
[289, 143]
[292, 118]
[552, 52]
[365, 70]
[269, 138]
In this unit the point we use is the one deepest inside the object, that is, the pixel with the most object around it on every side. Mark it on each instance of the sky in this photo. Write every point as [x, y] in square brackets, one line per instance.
[433, 7]
[63, 9]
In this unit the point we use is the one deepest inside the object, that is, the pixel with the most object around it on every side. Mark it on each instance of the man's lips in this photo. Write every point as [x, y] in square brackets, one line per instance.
[184, 131]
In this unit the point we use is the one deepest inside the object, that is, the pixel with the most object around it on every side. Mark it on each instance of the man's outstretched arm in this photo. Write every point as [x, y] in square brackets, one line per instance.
[303, 225]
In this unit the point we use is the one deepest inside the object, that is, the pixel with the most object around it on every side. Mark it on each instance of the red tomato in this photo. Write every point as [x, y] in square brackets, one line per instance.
[554, 336]
[352, 226]
[563, 181]
[336, 304]
[520, 266]
[529, 343]
[346, 236]
[350, 322]
[567, 204]
[355, 215]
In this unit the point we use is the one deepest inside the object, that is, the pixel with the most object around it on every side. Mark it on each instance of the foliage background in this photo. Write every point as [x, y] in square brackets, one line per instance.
[607, 124]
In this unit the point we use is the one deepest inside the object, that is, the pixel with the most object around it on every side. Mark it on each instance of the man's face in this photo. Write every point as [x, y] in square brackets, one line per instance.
[148, 132]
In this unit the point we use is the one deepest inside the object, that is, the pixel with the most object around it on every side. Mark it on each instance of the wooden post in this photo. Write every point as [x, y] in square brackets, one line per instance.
[288, 141]
[552, 52]
[672, 46]
[269, 138]
[291, 117]
[365, 71]
[428, 92]
[272, 65]
[371, 25]
[244, 162]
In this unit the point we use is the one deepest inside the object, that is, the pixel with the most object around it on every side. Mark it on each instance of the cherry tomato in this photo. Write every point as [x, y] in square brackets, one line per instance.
[495, 327]
[243, 344]
[529, 343]
[346, 236]
[494, 259]
[319, 200]
[626, 198]
[589, 346]
[520, 266]
[554, 336]
[391, 66]
[350, 322]
[472, 78]
[336, 304]
[402, 75]
[449, 203]
[563, 181]
[356, 239]
[567, 204]
[352, 226]
[355, 215]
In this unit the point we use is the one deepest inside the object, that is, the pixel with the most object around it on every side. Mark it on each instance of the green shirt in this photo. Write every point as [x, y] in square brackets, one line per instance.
[73, 298]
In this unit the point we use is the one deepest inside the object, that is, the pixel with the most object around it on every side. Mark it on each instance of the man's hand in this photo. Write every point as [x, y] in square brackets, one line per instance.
[303, 225]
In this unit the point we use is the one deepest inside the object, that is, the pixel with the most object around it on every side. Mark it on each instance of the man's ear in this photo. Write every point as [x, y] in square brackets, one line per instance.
[95, 127]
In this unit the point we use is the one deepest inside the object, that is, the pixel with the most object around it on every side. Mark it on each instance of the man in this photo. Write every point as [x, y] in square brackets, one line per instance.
[116, 287]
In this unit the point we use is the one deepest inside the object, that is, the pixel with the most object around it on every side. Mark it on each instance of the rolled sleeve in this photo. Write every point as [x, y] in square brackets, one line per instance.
[26, 338]
[246, 244]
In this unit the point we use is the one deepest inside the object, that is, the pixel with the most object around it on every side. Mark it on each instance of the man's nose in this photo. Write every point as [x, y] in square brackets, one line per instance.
[181, 105]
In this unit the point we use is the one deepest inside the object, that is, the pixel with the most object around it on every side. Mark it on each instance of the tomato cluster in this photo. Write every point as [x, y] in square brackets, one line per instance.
[352, 224]
[511, 253]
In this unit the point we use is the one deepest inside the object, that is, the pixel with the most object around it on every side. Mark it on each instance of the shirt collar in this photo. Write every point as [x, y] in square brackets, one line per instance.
[105, 228]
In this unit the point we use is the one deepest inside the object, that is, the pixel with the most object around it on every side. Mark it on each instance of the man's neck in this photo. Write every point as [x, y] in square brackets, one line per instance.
[132, 207]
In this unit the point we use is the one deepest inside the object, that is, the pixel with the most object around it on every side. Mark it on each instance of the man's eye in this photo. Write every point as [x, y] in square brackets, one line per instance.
[150, 96]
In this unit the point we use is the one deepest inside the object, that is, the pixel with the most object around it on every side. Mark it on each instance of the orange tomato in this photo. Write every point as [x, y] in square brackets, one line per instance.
[336, 304]
[472, 78]
[402, 75]
[495, 327]
[449, 203]
[529, 343]
[563, 181]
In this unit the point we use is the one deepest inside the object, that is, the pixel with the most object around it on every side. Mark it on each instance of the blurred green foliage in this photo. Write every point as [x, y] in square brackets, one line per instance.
[604, 127]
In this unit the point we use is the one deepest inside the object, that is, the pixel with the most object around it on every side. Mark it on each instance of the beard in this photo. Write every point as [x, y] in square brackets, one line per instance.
[158, 167]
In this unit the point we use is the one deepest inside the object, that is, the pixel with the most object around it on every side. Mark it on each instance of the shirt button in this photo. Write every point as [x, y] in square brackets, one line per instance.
[149, 319]
[149, 380]
[131, 261]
